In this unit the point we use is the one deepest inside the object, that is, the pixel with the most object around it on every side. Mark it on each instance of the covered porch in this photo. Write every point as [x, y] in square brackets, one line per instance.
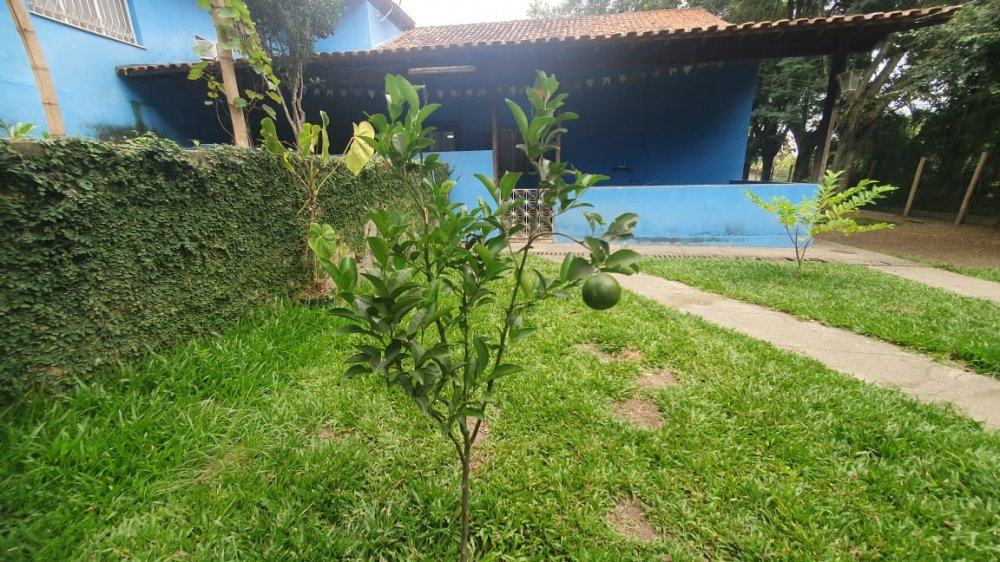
[664, 109]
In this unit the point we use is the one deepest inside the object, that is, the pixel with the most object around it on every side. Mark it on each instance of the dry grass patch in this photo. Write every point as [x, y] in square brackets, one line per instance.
[638, 412]
[629, 520]
[656, 381]
[630, 354]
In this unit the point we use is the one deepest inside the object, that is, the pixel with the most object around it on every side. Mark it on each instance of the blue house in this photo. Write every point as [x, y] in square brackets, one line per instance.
[664, 96]
[85, 40]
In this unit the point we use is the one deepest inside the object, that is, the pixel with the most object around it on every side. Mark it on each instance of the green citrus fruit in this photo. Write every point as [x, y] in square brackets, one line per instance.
[601, 292]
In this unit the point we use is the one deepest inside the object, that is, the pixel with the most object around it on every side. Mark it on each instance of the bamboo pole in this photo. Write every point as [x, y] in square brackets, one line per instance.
[241, 135]
[43, 78]
[972, 186]
[913, 188]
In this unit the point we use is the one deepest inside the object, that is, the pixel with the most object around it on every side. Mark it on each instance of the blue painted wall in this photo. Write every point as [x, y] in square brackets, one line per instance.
[715, 215]
[673, 129]
[362, 27]
[95, 101]
[464, 166]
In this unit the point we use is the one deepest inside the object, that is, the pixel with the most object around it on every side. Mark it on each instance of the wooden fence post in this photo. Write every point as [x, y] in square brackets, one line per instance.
[913, 188]
[972, 186]
[36, 57]
[241, 135]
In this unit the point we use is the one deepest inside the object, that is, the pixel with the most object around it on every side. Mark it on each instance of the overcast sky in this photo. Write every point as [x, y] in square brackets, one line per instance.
[446, 12]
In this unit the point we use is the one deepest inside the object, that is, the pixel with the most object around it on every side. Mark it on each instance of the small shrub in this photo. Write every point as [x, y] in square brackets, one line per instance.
[434, 284]
[828, 211]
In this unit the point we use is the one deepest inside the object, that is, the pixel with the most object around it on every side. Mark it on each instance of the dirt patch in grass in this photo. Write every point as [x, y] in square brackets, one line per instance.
[478, 458]
[638, 412]
[656, 381]
[624, 354]
[629, 520]
[630, 354]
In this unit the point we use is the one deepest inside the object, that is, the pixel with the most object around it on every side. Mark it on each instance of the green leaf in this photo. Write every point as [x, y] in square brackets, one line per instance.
[623, 259]
[504, 370]
[359, 152]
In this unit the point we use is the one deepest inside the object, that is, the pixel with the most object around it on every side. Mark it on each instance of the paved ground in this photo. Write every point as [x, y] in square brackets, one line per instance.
[865, 358]
[961, 284]
[824, 251]
[930, 240]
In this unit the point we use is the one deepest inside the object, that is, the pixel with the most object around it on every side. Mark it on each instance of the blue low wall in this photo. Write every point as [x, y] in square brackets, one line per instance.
[711, 215]
[464, 165]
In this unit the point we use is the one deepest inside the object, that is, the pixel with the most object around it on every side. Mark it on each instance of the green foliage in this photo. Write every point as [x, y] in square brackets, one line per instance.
[249, 446]
[17, 131]
[828, 211]
[288, 30]
[313, 169]
[110, 250]
[431, 281]
[241, 33]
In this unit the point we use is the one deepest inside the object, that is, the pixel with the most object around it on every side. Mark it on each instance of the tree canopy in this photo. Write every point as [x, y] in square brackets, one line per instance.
[933, 91]
[288, 31]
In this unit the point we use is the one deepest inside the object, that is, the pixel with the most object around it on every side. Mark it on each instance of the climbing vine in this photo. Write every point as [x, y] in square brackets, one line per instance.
[241, 36]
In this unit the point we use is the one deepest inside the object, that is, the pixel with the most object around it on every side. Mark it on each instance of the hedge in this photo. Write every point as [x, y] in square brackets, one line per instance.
[111, 250]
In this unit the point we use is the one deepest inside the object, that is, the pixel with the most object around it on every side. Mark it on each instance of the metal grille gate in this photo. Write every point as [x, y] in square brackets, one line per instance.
[534, 214]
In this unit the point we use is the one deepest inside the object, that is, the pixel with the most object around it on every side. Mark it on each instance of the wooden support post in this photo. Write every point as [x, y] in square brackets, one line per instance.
[913, 188]
[241, 135]
[36, 57]
[838, 62]
[972, 187]
[825, 155]
[496, 143]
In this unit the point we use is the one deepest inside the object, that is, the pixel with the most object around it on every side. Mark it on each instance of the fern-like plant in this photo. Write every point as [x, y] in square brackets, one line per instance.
[829, 211]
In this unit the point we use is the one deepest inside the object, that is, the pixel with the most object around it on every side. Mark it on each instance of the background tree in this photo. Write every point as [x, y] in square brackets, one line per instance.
[288, 31]
[948, 109]
[920, 74]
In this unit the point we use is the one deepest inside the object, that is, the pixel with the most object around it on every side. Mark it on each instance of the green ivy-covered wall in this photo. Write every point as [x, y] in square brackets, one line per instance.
[111, 250]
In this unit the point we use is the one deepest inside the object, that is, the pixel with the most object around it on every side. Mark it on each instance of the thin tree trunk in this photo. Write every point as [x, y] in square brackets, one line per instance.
[43, 78]
[466, 493]
[241, 135]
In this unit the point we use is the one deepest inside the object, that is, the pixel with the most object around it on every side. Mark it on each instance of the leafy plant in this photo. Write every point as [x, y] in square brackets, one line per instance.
[17, 131]
[288, 30]
[828, 211]
[436, 281]
[236, 25]
[312, 167]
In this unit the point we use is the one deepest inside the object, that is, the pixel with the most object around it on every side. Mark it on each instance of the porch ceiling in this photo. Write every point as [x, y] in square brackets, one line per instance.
[496, 61]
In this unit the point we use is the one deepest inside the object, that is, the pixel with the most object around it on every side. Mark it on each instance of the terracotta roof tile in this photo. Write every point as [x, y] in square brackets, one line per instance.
[555, 29]
[686, 22]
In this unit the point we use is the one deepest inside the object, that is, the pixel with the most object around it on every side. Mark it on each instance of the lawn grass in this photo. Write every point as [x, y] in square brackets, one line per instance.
[934, 321]
[251, 446]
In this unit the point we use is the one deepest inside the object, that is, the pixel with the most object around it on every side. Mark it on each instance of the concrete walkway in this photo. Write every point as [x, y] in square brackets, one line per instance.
[954, 282]
[823, 251]
[862, 357]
